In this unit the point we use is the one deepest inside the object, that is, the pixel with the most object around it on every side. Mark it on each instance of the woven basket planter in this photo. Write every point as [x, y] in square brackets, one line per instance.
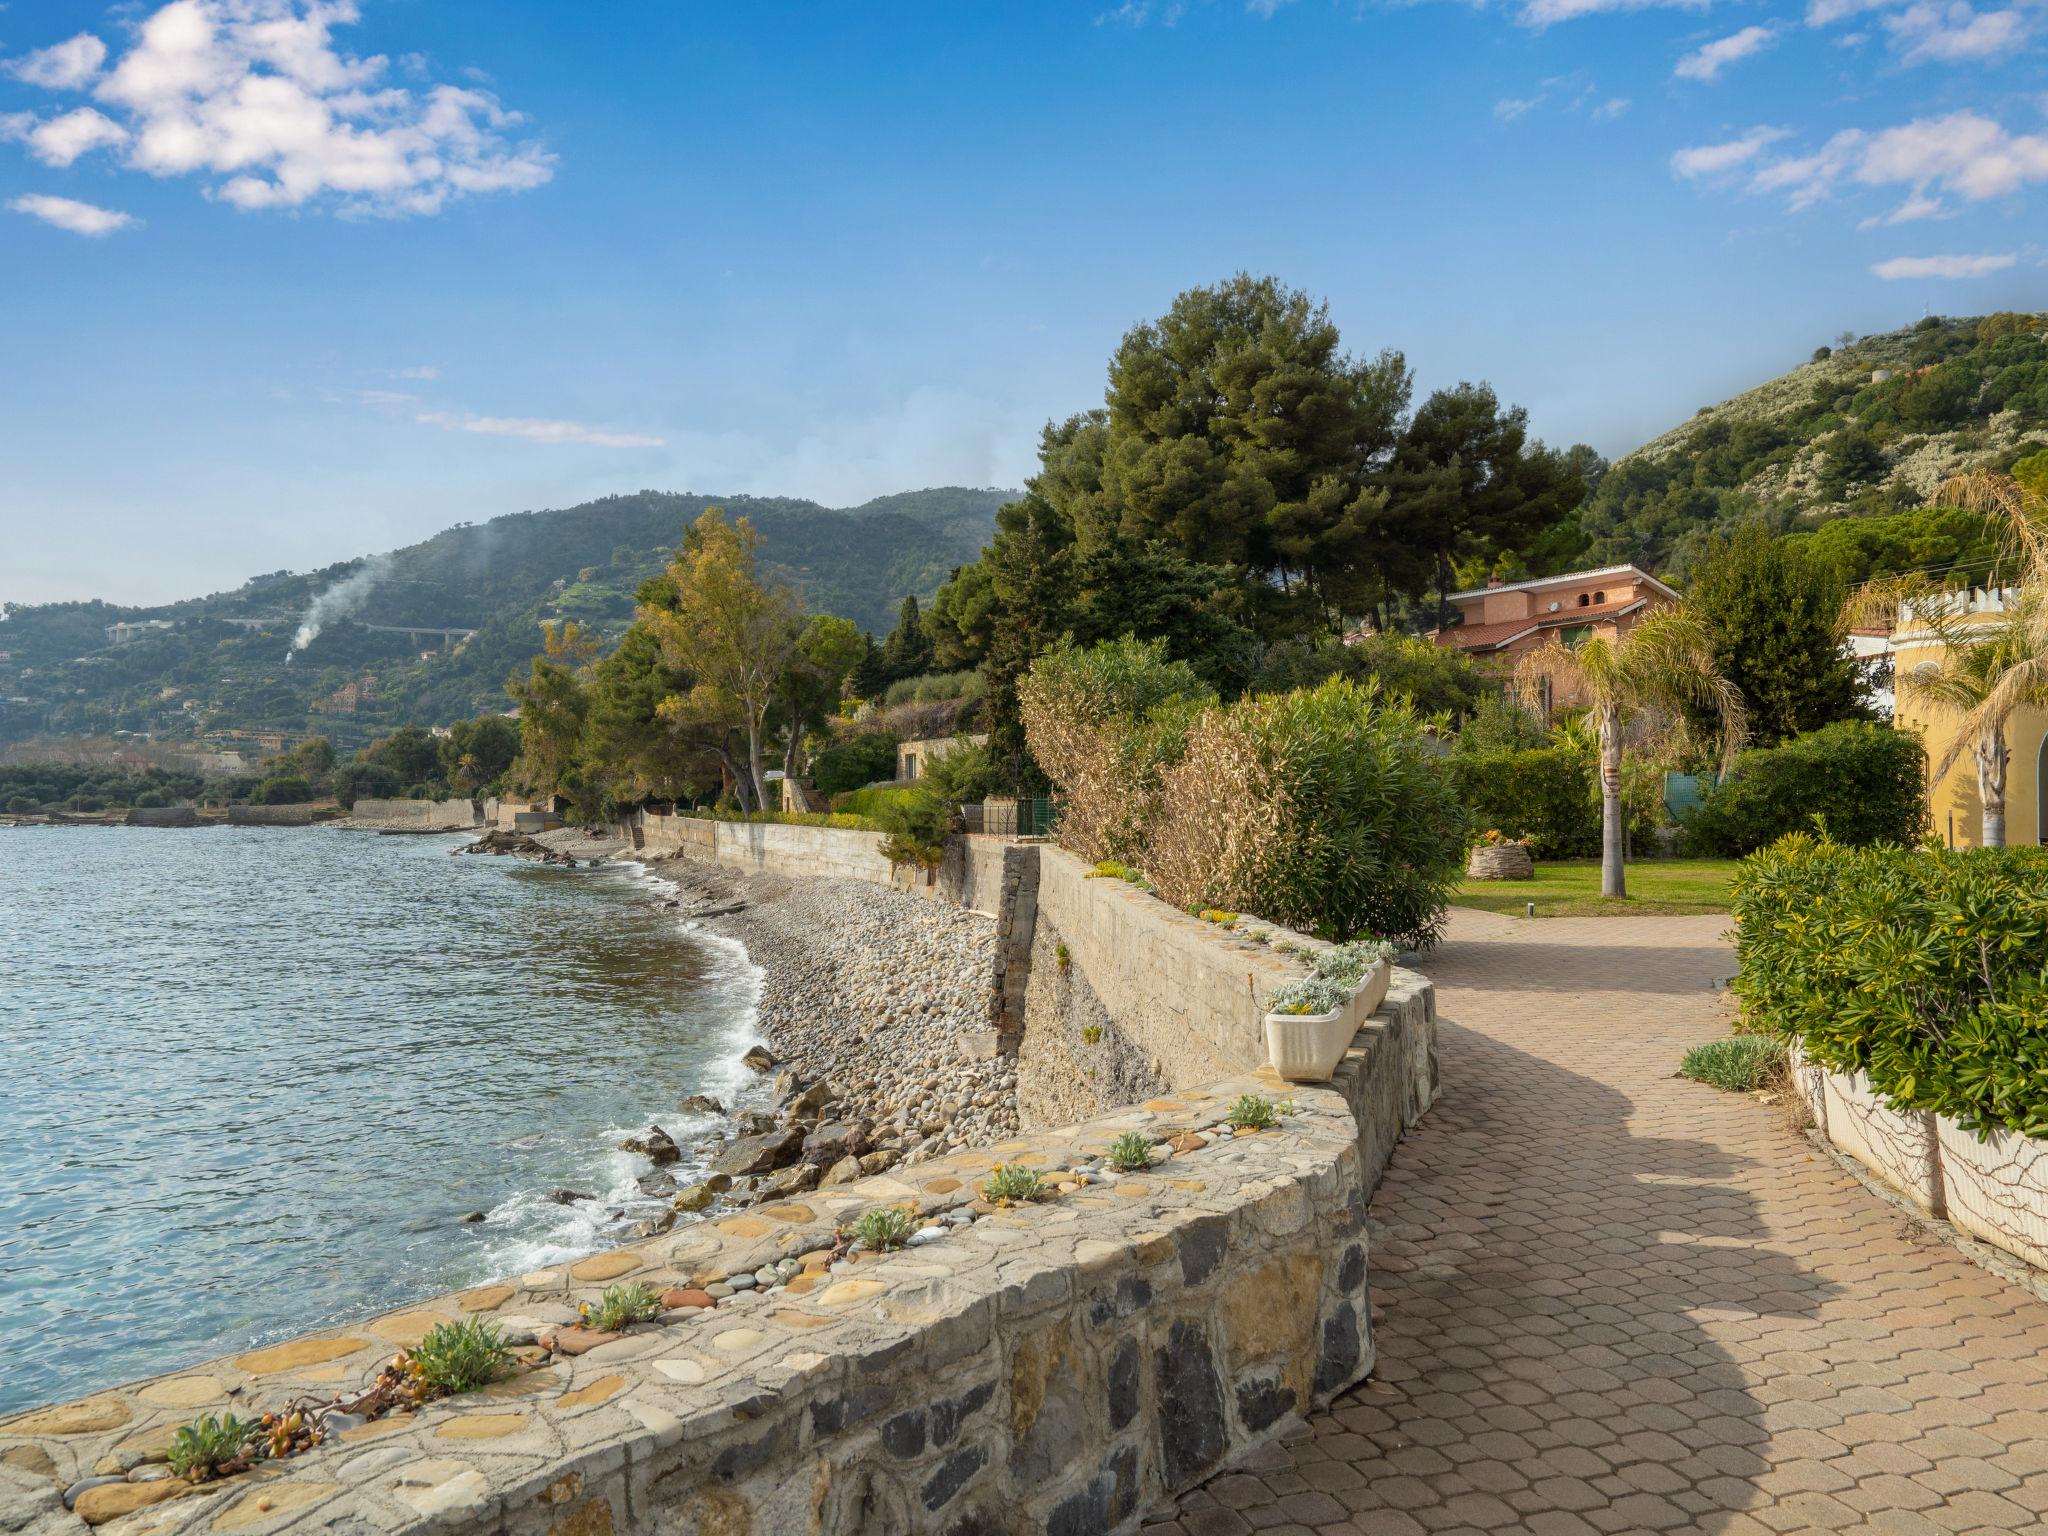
[1500, 861]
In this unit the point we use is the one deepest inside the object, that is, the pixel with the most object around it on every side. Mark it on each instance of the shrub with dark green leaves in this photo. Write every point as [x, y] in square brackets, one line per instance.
[854, 762]
[1926, 968]
[1867, 784]
[1548, 797]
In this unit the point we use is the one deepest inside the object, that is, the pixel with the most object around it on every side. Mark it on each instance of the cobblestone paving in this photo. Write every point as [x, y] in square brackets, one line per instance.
[1612, 1300]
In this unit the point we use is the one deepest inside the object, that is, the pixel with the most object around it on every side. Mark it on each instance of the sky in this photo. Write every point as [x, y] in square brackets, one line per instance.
[284, 282]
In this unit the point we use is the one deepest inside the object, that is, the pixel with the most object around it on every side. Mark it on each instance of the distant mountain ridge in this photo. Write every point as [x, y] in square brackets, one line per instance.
[502, 578]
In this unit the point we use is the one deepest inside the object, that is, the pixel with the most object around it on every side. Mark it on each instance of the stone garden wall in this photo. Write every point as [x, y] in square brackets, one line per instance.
[1993, 1189]
[420, 815]
[1067, 1365]
[969, 876]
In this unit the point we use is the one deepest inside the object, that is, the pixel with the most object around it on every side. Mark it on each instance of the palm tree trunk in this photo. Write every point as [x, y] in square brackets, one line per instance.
[1613, 879]
[1991, 760]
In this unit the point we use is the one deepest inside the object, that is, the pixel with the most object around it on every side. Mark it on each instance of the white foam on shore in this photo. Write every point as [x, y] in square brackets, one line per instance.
[538, 1232]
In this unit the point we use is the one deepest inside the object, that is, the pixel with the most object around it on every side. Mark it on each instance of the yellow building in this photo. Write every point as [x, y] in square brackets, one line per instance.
[1957, 809]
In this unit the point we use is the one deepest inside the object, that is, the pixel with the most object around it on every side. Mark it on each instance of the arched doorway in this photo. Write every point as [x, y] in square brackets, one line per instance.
[2041, 793]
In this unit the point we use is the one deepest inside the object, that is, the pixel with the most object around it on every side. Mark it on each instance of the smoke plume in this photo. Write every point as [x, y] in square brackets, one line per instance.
[340, 600]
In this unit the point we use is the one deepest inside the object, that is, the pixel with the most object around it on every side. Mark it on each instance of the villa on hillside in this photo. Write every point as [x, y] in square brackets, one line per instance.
[1955, 803]
[1502, 621]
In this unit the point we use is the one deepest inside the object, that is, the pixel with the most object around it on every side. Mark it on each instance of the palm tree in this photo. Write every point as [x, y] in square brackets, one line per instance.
[1653, 677]
[1988, 667]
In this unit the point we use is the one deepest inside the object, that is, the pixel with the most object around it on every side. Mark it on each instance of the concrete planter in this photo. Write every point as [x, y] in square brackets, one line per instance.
[1306, 1047]
[1997, 1189]
[1897, 1145]
[1811, 1084]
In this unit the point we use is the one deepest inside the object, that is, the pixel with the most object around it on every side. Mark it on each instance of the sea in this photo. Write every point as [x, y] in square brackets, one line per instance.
[253, 1080]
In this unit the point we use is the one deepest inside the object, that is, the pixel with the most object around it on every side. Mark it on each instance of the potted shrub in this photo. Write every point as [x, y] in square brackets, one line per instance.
[1310, 1022]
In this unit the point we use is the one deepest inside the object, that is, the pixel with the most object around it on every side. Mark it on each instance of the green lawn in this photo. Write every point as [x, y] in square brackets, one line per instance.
[1571, 888]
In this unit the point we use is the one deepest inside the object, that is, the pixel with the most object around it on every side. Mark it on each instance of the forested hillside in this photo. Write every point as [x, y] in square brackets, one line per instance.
[502, 578]
[1848, 447]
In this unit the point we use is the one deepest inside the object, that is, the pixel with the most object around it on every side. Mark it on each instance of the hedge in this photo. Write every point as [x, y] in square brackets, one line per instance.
[1549, 796]
[1866, 784]
[1926, 968]
[843, 823]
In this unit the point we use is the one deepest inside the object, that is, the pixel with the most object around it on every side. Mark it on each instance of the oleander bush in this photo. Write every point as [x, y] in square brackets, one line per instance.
[1926, 968]
[1865, 783]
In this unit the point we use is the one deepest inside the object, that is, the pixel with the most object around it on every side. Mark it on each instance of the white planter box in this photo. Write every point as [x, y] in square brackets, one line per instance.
[1897, 1145]
[1997, 1189]
[1306, 1047]
[1810, 1082]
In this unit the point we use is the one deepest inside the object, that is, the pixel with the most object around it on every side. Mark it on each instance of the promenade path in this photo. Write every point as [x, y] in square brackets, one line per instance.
[1612, 1300]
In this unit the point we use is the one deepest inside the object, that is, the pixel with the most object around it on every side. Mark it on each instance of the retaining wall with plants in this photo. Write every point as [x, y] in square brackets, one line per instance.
[1993, 1188]
[1909, 983]
[970, 875]
[1066, 1364]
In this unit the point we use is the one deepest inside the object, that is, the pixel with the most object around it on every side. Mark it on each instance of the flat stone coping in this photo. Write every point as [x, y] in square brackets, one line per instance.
[706, 1377]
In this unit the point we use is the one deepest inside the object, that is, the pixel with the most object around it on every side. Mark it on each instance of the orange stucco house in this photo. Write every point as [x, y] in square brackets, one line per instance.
[1501, 620]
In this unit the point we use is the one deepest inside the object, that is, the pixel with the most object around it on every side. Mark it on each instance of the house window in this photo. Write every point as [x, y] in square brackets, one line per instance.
[910, 765]
[1576, 635]
[1584, 600]
[1599, 597]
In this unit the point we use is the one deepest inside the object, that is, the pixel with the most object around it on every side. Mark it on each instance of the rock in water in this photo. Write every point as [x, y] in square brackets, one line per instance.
[568, 1196]
[759, 1057]
[656, 1145]
[701, 1104]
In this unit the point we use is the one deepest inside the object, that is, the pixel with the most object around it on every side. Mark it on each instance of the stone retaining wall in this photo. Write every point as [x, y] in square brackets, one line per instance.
[270, 815]
[163, 816]
[1065, 1366]
[970, 875]
[1994, 1189]
[421, 815]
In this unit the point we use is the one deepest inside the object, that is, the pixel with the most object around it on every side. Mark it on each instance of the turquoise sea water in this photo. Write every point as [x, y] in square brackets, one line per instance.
[252, 1079]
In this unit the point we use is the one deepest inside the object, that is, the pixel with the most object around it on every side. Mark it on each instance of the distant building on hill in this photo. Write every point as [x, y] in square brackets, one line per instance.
[1501, 621]
[122, 633]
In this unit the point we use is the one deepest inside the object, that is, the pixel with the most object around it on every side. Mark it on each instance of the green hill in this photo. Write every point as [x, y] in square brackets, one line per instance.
[218, 662]
[1860, 435]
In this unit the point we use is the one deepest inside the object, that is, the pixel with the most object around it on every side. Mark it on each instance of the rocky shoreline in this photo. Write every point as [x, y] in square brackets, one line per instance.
[875, 1005]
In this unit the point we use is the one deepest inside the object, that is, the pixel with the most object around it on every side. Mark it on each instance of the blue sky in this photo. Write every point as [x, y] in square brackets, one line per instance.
[289, 282]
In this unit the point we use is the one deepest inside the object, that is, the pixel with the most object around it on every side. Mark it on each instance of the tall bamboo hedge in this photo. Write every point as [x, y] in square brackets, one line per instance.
[1926, 968]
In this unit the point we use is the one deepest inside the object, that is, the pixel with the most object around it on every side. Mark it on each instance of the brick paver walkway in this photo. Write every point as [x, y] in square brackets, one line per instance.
[1611, 1300]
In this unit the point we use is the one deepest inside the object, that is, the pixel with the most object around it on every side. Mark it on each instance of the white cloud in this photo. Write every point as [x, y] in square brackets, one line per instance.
[1508, 108]
[1135, 13]
[424, 371]
[1912, 209]
[1962, 155]
[535, 430]
[1969, 155]
[62, 139]
[1264, 8]
[1545, 13]
[1953, 33]
[65, 213]
[64, 67]
[1718, 159]
[1610, 109]
[254, 95]
[1901, 267]
[1707, 61]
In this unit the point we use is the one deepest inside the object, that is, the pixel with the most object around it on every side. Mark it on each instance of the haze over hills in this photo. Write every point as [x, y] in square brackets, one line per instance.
[208, 663]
